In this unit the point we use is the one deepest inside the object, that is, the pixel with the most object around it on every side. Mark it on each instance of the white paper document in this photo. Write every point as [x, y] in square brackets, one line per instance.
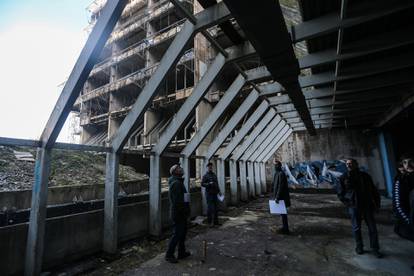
[277, 208]
[186, 197]
[220, 197]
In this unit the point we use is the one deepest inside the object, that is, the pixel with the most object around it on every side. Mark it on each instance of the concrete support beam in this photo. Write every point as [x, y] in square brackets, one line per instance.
[269, 147]
[155, 222]
[110, 234]
[250, 179]
[191, 102]
[186, 167]
[274, 146]
[263, 176]
[361, 47]
[35, 235]
[257, 181]
[260, 110]
[214, 116]
[234, 191]
[108, 17]
[262, 137]
[231, 124]
[253, 135]
[268, 139]
[244, 195]
[395, 110]
[332, 22]
[170, 58]
[221, 177]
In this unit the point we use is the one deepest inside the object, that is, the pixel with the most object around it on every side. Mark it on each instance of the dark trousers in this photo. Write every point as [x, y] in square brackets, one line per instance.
[179, 234]
[285, 222]
[212, 211]
[356, 219]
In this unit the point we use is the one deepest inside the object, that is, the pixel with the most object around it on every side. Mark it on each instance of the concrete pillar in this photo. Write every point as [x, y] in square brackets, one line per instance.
[151, 119]
[115, 102]
[155, 226]
[221, 176]
[203, 190]
[110, 235]
[36, 231]
[234, 191]
[185, 164]
[262, 166]
[257, 183]
[386, 161]
[250, 179]
[243, 181]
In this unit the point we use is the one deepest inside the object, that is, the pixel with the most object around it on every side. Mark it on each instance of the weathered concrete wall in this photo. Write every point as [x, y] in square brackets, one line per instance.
[72, 237]
[65, 194]
[335, 144]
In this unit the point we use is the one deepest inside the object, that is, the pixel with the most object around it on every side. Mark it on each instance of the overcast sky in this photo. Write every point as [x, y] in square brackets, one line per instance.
[40, 41]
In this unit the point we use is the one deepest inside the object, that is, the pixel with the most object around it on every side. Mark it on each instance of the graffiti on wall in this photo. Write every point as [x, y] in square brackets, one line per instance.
[316, 174]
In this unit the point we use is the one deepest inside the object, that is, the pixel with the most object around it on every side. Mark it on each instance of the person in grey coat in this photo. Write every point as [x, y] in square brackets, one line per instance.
[281, 192]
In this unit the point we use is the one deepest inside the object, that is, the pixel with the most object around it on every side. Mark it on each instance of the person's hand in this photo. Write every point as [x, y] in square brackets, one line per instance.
[277, 201]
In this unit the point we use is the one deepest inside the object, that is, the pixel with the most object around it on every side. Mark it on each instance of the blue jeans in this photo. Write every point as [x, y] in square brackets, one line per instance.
[356, 219]
[212, 211]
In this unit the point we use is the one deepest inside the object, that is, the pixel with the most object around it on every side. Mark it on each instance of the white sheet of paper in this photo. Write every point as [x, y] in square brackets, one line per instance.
[277, 208]
[186, 197]
[220, 197]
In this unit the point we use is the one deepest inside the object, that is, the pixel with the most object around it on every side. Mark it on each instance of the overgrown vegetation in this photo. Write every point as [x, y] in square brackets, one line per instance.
[67, 168]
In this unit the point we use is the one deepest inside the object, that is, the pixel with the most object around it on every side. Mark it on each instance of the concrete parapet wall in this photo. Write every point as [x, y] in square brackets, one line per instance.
[66, 194]
[73, 237]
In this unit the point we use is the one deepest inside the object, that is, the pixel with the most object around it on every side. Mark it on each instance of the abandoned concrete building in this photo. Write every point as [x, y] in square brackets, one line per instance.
[236, 83]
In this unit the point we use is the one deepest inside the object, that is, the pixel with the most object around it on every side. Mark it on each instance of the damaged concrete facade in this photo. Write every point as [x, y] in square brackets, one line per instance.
[129, 58]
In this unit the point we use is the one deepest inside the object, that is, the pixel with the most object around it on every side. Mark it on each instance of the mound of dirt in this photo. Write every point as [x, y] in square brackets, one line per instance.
[67, 168]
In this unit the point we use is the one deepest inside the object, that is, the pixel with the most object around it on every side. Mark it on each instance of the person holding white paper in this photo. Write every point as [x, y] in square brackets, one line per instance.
[210, 182]
[281, 192]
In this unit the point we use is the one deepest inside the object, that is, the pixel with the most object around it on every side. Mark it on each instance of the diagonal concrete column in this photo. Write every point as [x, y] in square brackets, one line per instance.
[229, 127]
[260, 110]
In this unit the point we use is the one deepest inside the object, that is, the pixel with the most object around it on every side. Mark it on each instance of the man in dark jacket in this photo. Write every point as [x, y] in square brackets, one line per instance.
[179, 211]
[210, 182]
[359, 194]
[281, 192]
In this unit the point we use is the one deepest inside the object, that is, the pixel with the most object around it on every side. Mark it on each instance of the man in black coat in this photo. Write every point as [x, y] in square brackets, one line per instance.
[361, 197]
[281, 192]
[179, 211]
[210, 182]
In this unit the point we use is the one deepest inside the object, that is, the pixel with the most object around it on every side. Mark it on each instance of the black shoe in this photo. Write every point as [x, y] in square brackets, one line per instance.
[283, 231]
[184, 255]
[171, 259]
[359, 250]
[377, 254]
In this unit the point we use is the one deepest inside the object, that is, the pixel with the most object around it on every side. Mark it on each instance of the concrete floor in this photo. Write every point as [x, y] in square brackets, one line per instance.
[321, 243]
